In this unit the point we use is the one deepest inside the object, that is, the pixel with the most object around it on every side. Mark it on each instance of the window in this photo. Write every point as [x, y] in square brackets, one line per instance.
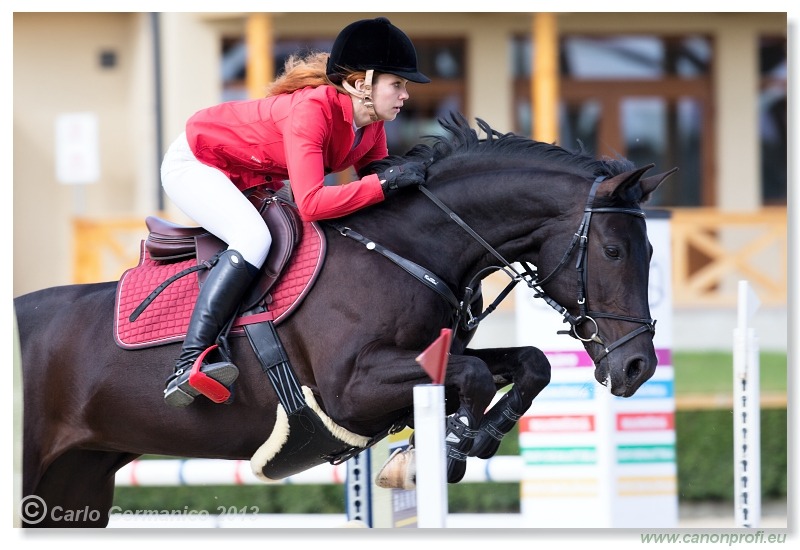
[640, 96]
[772, 112]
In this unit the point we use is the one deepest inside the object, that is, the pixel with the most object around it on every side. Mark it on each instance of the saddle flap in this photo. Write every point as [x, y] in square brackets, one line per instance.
[285, 236]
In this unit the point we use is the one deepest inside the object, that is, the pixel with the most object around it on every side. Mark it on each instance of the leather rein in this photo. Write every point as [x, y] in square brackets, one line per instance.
[462, 308]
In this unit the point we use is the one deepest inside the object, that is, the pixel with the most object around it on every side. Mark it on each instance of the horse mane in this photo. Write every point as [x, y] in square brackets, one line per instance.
[460, 142]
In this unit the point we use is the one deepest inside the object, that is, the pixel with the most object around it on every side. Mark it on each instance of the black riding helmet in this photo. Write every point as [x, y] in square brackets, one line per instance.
[374, 44]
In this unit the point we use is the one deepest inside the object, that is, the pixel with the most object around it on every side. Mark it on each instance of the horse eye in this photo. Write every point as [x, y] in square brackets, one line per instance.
[612, 252]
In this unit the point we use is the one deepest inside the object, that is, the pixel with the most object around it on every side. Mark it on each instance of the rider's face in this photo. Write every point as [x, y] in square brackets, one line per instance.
[389, 92]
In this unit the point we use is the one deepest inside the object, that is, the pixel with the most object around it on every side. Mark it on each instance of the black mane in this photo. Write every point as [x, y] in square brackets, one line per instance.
[461, 141]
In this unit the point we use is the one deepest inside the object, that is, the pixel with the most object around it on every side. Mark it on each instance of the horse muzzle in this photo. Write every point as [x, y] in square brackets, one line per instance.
[624, 373]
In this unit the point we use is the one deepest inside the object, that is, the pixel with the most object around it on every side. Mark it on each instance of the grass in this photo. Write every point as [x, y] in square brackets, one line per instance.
[712, 372]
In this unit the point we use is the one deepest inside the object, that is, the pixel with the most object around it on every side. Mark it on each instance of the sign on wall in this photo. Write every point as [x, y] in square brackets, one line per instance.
[77, 148]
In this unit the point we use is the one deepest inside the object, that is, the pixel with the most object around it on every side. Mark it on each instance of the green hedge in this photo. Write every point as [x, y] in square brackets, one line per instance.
[704, 448]
[704, 445]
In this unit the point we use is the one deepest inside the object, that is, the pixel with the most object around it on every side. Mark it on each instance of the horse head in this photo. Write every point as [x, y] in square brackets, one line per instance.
[606, 299]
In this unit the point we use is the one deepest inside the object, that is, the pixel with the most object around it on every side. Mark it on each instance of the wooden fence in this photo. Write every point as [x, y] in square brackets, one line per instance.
[711, 251]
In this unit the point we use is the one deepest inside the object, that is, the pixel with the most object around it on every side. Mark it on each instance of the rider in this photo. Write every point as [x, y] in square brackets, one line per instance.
[324, 114]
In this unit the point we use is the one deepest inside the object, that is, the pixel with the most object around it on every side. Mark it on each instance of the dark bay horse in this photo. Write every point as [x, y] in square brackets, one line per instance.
[574, 222]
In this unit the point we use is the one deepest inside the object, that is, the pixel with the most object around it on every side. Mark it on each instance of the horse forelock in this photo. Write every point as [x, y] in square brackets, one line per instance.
[460, 149]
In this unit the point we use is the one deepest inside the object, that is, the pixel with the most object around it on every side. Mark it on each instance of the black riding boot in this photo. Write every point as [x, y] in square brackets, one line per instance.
[217, 302]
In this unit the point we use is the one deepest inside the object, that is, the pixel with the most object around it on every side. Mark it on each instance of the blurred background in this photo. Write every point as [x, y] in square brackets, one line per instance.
[99, 96]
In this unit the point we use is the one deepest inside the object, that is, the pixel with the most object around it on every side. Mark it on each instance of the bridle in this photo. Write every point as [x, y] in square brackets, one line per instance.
[462, 308]
[531, 277]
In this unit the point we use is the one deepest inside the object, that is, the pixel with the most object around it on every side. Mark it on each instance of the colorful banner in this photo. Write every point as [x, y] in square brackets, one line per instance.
[592, 459]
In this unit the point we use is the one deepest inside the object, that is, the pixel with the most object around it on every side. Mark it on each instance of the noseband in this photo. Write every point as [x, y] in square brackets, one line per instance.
[531, 278]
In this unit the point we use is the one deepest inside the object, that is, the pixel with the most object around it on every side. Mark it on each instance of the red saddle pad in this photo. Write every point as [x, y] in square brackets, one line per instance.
[166, 319]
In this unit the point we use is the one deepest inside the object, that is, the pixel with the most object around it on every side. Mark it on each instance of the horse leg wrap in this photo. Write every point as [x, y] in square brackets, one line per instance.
[459, 437]
[497, 422]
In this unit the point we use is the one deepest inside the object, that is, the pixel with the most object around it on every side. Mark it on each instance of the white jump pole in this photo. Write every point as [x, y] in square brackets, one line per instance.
[198, 472]
[746, 413]
[430, 455]
[429, 432]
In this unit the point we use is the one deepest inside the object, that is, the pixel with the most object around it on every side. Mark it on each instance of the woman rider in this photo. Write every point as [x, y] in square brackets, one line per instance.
[324, 114]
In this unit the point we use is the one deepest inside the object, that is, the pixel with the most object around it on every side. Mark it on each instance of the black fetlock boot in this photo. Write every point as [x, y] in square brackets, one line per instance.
[458, 438]
[497, 422]
[217, 302]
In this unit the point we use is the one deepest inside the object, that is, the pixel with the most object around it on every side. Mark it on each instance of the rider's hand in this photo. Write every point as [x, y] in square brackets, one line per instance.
[396, 177]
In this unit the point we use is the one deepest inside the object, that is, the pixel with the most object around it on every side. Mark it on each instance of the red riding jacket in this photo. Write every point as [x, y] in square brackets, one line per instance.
[301, 137]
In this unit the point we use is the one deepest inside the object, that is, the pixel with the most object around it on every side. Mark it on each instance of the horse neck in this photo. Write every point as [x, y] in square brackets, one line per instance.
[507, 209]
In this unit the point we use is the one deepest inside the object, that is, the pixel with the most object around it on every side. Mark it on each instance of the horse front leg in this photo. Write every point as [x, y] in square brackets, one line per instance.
[529, 370]
[475, 385]
[380, 391]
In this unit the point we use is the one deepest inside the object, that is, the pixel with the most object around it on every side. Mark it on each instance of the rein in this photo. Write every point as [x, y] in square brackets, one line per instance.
[462, 308]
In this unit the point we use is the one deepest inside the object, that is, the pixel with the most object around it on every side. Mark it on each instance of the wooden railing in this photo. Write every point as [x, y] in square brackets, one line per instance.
[711, 251]
[104, 249]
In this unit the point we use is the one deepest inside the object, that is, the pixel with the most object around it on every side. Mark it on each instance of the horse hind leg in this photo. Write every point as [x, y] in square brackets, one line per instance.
[399, 470]
[529, 371]
[76, 490]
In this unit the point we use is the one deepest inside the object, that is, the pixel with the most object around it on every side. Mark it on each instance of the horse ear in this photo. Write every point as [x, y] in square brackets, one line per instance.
[623, 184]
[651, 183]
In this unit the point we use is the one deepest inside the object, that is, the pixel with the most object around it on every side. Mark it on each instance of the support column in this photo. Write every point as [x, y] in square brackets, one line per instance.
[544, 77]
[260, 64]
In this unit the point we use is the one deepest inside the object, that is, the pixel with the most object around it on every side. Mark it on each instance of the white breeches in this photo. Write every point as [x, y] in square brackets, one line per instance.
[207, 196]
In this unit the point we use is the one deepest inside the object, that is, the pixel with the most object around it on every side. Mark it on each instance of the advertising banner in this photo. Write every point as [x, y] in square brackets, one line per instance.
[592, 459]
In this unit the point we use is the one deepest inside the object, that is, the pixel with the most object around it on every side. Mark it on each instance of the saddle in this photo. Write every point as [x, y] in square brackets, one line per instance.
[155, 299]
[168, 241]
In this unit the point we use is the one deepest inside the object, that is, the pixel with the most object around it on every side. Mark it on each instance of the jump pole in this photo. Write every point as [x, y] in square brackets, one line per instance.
[746, 413]
[429, 432]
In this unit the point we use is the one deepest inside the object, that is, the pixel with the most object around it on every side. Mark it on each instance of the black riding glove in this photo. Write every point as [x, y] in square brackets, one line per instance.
[410, 173]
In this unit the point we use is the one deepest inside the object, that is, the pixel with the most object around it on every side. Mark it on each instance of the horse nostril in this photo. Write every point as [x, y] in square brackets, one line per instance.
[634, 369]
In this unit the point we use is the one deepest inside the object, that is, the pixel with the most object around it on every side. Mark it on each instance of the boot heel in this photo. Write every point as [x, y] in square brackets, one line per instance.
[179, 393]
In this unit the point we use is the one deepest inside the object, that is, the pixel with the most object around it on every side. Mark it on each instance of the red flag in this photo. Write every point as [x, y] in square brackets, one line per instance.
[434, 358]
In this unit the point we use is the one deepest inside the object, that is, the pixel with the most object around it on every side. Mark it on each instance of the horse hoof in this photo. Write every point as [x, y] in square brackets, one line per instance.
[399, 471]
[355, 524]
[456, 470]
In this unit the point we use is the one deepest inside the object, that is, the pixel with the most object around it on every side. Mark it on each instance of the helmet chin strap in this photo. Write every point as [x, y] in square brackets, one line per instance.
[366, 95]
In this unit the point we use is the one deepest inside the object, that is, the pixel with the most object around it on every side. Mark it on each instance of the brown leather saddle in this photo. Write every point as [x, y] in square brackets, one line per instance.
[170, 242]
